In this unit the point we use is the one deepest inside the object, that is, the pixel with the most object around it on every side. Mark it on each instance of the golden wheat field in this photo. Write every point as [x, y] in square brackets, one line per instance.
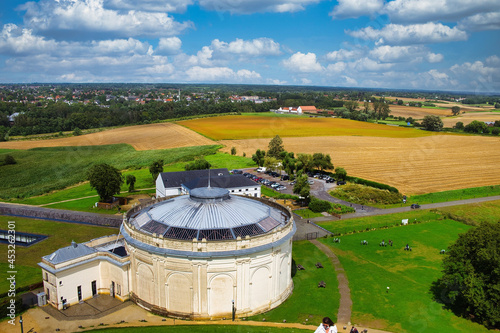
[249, 127]
[141, 137]
[413, 165]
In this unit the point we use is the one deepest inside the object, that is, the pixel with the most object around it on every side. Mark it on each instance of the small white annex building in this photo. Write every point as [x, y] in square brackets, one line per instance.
[181, 182]
[187, 256]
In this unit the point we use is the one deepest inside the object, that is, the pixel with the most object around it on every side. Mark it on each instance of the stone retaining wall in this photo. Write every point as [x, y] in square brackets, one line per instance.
[60, 214]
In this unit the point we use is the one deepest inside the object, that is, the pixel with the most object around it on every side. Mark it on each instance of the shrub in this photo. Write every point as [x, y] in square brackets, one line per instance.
[318, 205]
[365, 195]
[9, 159]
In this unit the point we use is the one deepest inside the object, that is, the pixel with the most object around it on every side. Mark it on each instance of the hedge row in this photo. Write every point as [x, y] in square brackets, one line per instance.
[372, 184]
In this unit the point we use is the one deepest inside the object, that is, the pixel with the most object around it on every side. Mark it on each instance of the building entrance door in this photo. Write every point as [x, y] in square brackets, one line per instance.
[79, 291]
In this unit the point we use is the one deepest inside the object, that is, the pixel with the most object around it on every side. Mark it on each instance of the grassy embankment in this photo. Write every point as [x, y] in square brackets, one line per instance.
[87, 197]
[42, 170]
[384, 199]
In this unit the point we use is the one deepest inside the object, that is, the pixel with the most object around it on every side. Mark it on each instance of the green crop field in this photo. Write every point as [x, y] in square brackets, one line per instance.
[408, 305]
[41, 170]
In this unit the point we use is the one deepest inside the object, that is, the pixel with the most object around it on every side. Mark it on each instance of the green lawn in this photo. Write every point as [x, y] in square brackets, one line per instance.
[60, 235]
[378, 221]
[408, 305]
[307, 213]
[308, 301]
[201, 329]
[473, 214]
[468, 193]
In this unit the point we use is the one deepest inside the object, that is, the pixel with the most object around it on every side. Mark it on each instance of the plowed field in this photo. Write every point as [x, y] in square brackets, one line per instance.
[142, 137]
[413, 165]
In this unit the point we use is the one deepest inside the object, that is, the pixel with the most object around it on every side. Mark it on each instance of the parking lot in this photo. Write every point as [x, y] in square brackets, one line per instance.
[281, 183]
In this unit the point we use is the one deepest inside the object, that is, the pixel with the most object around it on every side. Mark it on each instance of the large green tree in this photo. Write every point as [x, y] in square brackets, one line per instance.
[155, 169]
[302, 188]
[340, 173]
[476, 127]
[275, 147]
[322, 161]
[106, 180]
[432, 123]
[455, 110]
[258, 157]
[470, 285]
[198, 164]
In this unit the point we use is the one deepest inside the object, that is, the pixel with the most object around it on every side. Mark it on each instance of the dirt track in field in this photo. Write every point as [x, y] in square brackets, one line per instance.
[141, 137]
[413, 165]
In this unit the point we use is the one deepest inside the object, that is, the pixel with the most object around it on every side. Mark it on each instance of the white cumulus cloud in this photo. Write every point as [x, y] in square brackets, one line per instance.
[254, 47]
[396, 34]
[168, 6]
[412, 11]
[170, 45]
[356, 8]
[90, 16]
[300, 62]
[17, 41]
[256, 6]
[210, 74]
[342, 55]
[417, 53]
[479, 22]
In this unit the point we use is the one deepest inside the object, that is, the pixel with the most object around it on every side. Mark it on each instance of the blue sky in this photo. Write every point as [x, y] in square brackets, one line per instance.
[403, 44]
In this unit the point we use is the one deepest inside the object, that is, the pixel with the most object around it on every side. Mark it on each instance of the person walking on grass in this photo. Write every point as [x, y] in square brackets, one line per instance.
[326, 326]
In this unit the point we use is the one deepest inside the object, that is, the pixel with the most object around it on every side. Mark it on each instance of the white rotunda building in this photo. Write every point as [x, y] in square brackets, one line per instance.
[199, 256]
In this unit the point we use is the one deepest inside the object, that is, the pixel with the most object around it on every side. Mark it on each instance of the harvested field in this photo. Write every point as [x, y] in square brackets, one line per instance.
[416, 112]
[413, 165]
[249, 127]
[141, 137]
[468, 117]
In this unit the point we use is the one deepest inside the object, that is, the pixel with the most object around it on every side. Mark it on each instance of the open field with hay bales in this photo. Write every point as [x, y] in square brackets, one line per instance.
[413, 165]
[141, 137]
[251, 127]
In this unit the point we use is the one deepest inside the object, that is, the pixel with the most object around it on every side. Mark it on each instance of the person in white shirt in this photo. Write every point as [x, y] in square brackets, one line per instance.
[326, 326]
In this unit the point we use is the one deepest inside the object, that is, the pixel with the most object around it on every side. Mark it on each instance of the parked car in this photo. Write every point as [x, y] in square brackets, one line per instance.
[341, 182]
[281, 188]
[330, 180]
[293, 183]
[285, 177]
[415, 206]
[261, 169]
[311, 182]
[236, 172]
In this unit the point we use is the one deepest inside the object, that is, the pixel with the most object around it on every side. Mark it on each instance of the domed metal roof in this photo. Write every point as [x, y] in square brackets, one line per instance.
[209, 213]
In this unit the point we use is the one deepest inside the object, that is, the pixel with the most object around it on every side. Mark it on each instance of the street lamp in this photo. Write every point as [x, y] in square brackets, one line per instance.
[21, 322]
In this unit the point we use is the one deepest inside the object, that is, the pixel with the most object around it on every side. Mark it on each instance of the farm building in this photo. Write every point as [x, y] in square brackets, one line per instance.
[297, 110]
[195, 256]
[174, 183]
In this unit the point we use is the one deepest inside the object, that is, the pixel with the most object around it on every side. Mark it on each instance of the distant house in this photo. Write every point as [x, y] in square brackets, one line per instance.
[490, 123]
[308, 108]
[298, 110]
